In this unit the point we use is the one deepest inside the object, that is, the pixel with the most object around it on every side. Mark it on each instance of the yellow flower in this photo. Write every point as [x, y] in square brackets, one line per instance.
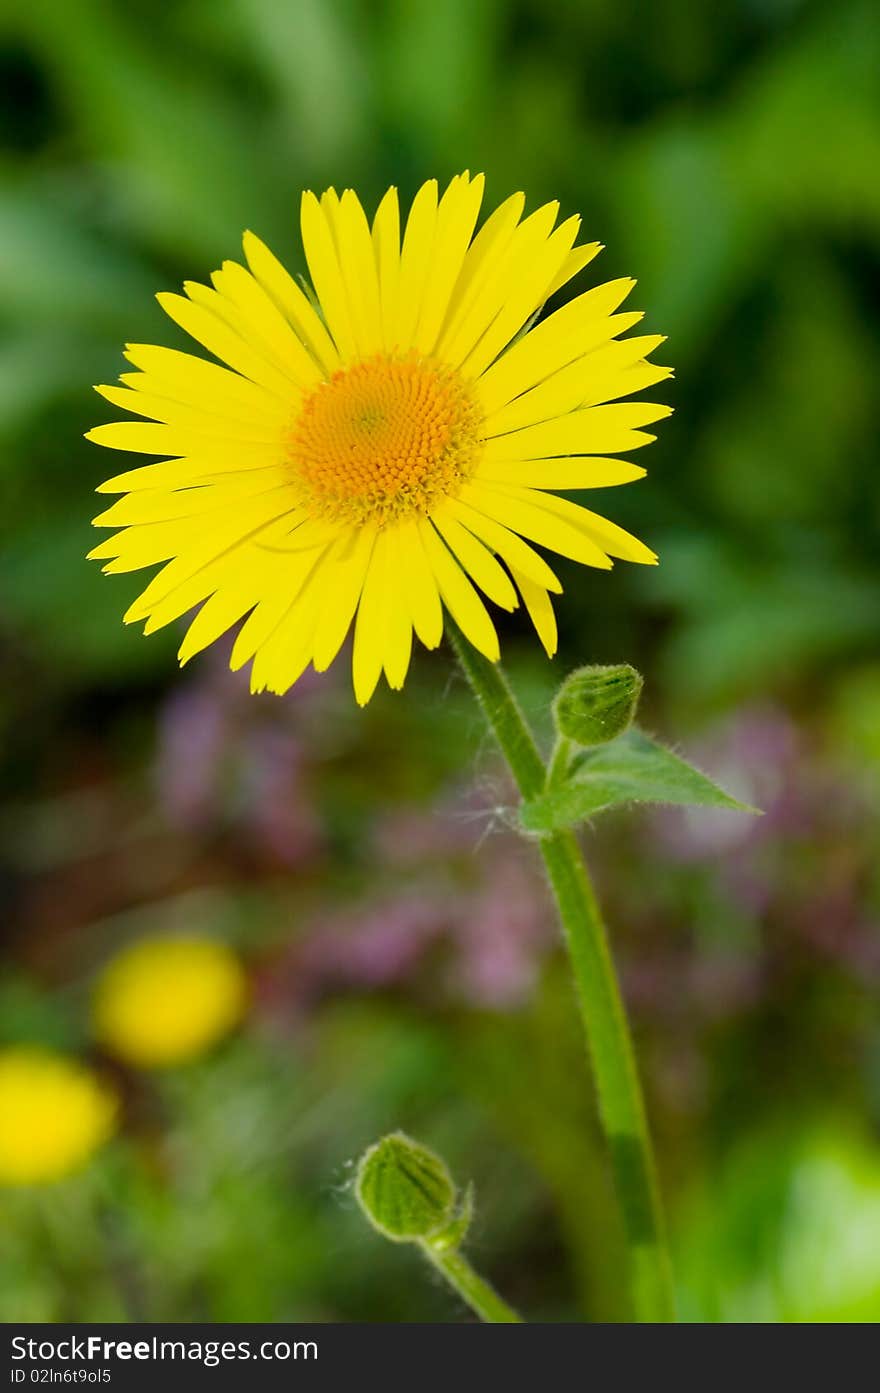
[54, 1113]
[383, 446]
[166, 1000]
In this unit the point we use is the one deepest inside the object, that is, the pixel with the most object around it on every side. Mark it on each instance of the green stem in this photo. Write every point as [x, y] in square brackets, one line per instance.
[482, 1299]
[559, 761]
[621, 1107]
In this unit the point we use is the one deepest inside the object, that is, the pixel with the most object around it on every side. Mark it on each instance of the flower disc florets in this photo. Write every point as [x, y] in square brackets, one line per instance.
[387, 436]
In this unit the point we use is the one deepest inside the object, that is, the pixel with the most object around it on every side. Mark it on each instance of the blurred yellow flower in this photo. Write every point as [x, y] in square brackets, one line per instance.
[166, 1000]
[54, 1112]
[379, 450]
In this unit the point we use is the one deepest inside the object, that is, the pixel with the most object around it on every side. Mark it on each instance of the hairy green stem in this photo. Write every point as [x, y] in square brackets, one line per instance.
[482, 1299]
[621, 1107]
[559, 761]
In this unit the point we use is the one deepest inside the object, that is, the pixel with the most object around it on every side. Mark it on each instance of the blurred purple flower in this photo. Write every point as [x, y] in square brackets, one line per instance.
[224, 758]
[276, 805]
[492, 937]
[791, 880]
[756, 757]
[357, 950]
[450, 827]
[503, 934]
[192, 737]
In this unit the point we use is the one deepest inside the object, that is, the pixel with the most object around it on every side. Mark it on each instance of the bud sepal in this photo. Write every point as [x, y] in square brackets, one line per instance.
[453, 1235]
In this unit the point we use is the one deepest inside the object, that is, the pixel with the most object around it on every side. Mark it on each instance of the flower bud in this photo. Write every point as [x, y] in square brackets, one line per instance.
[596, 704]
[404, 1189]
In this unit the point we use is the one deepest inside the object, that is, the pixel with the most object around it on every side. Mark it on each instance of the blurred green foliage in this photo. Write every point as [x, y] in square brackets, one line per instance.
[727, 157]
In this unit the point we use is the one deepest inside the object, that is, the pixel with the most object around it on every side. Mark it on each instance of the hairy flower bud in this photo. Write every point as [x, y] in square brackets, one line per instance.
[404, 1189]
[596, 704]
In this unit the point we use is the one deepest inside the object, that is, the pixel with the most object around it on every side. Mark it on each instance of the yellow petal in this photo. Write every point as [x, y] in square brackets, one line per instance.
[215, 334]
[232, 569]
[492, 291]
[578, 472]
[291, 301]
[320, 250]
[383, 624]
[264, 324]
[595, 430]
[415, 263]
[456, 218]
[577, 259]
[587, 380]
[565, 335]
[357, 268]
[201, 553]
[283, 585]
[605, 534]
[163, 505]
[350, 560]
[183, 377]
[144, 545]
[530, 278]
[371, 625]
[624, 382]
[287, 651]
[518, 555]
[459, 596]
[417, 584]
[187, 417]
[489, 244]
[153, 438]
[475, 559]
[178, 474]
[386, 250]
[525, 514]
[284, 657]
[540, 609]
[532, 363]
[398, 649]
[398, 634]
[217, 615]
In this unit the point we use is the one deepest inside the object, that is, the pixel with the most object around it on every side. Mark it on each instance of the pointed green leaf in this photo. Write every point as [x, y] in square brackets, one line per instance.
[632, 769]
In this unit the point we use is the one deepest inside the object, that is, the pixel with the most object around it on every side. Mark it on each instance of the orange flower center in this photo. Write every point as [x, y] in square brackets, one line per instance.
[382, 438]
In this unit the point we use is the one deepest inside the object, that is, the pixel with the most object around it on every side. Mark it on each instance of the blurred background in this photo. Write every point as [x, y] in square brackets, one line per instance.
[391, 955]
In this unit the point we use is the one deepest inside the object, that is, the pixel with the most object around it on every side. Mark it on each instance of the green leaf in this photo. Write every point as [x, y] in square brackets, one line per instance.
[632, 769]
